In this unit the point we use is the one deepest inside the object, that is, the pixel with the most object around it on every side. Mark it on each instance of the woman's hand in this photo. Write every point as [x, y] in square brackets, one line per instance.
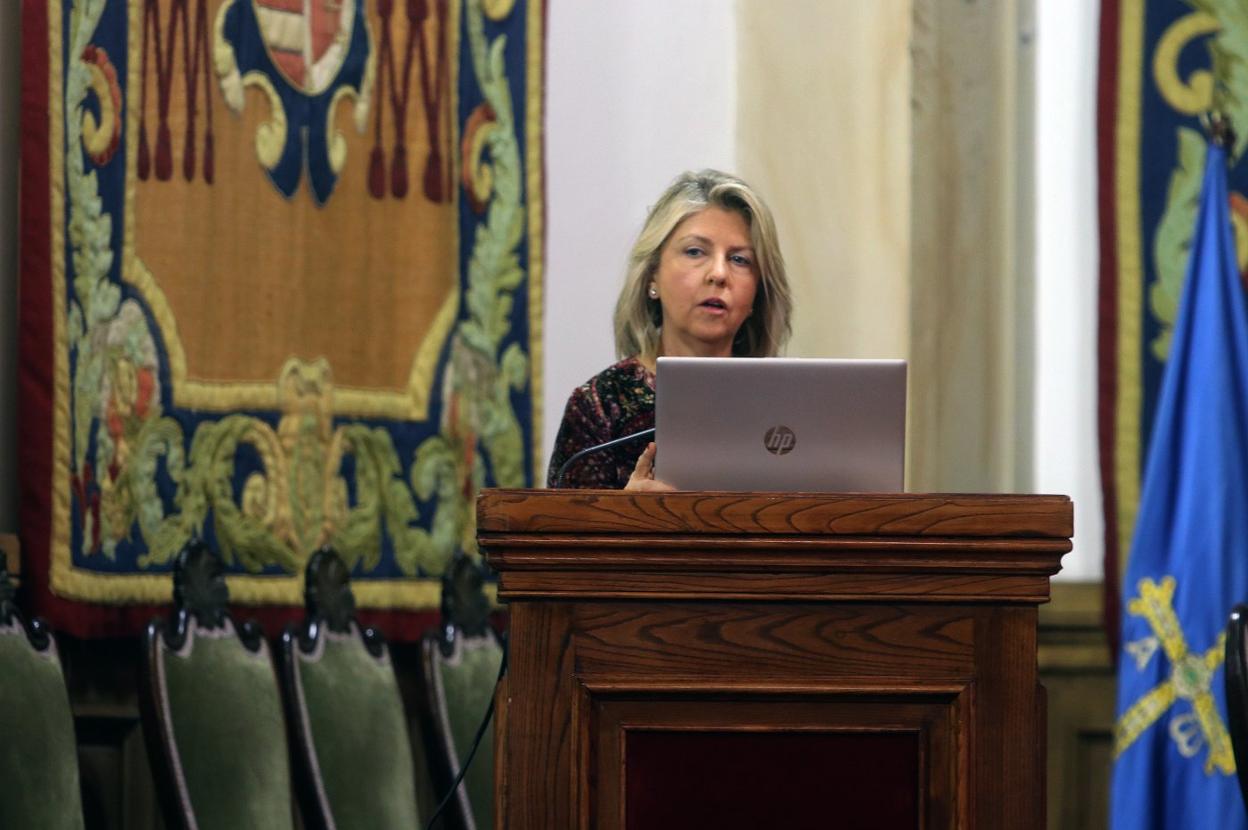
[643, 474]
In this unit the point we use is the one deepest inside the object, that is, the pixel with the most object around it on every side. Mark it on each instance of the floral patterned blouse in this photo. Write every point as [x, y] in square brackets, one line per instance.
[615, 402]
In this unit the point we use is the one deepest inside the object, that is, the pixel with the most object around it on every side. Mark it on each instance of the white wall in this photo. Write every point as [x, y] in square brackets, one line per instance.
[1065, 451]
[636, 93]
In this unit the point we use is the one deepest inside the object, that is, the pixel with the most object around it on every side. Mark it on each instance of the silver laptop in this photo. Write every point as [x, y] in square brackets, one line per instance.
[781, 424]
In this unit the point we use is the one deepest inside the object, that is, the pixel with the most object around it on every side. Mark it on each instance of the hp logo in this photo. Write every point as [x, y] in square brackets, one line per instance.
[779, 440]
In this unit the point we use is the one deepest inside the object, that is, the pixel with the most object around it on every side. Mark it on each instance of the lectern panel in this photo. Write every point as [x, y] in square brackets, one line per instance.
[781, 640]
[698, 760]
[747, 780]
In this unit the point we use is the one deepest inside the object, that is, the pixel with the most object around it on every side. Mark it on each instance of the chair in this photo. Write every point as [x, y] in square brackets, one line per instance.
[352, 755]
[1237, 691]
[461, 664]
[39, 784]
[211, 709]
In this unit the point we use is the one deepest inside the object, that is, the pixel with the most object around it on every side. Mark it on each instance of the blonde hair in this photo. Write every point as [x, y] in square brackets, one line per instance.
[638, 318]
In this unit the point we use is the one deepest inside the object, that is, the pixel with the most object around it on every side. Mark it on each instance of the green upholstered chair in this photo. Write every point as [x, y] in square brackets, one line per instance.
[352, 755]
[212, 710]
[460, 663]
[38, 755]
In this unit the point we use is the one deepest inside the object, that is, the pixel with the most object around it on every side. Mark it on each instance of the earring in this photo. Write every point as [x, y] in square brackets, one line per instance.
[653, 292]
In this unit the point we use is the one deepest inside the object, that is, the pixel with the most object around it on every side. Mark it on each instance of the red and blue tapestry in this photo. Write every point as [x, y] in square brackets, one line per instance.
[280, 288]
[1163, 65]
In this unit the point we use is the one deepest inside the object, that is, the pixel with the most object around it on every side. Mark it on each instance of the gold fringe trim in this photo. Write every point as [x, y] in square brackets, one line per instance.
[1130, 274]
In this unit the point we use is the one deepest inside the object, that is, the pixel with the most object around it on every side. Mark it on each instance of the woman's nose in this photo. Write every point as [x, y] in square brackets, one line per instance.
[717, 273]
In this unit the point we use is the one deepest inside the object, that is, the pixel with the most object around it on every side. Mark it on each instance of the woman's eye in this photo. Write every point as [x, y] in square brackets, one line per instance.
[738, 259]
[693, 251]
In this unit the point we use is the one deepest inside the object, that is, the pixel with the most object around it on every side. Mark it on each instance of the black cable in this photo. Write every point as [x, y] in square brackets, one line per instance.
[476, 742]
[563, 468]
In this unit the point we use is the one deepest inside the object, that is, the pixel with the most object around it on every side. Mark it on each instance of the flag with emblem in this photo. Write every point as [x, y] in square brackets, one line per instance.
[1173, 764]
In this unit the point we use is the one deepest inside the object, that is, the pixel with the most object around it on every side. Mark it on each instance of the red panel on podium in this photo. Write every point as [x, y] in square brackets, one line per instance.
[748, 779]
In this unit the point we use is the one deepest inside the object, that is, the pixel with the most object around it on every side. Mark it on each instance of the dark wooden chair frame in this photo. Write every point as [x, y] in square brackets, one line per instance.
[199, 593]
[465, 614]
[330, 606]
[37, 631]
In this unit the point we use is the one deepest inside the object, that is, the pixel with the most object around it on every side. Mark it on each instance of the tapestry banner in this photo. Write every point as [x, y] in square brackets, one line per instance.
[280, 289]
[1164, 65]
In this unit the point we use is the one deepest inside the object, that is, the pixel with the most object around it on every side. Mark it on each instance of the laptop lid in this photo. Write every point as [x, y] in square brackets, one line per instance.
[781, 424]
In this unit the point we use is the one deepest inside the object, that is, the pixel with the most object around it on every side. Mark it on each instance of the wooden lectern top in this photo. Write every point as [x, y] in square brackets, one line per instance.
[836, 514]
[774, 546]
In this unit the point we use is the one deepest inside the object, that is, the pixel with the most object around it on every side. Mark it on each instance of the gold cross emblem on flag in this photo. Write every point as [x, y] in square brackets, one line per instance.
[1190, 678]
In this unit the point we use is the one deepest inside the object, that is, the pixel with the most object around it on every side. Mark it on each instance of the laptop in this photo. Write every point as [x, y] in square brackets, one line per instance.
[781, 424]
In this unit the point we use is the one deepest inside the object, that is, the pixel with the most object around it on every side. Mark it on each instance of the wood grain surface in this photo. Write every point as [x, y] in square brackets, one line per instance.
[835, 615]
[888, 515]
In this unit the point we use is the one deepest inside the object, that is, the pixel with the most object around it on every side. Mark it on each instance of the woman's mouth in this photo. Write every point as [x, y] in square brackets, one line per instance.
[713, 304]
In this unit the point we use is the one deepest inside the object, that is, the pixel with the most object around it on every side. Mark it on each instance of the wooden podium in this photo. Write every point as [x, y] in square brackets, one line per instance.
[771, 660]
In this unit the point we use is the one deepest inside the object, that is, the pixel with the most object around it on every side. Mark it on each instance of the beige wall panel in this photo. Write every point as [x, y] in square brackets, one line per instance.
[823, 121]
[971, 307]
[893, 139]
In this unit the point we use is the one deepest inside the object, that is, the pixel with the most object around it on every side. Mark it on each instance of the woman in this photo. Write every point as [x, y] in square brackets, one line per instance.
[705, 279]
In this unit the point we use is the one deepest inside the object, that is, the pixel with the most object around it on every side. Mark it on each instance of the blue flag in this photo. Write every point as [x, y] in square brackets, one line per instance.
[1173, 764]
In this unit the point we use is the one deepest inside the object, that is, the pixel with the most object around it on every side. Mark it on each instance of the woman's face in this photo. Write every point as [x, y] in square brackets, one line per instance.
[706, 281]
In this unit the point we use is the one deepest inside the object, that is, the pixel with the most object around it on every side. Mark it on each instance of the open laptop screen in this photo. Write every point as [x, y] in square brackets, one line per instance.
[781, 424]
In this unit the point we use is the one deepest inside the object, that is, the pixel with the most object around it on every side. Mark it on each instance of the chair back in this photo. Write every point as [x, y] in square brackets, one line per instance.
[460, 664]
[352, 754]
[1237, 692]
[39, 784]
[212, 712]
